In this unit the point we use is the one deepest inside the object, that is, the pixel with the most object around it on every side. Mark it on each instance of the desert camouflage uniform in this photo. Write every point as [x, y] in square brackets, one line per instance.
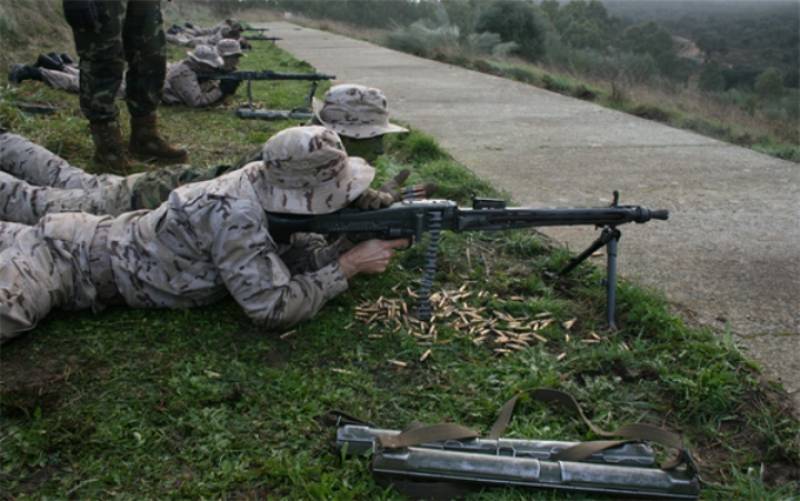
[183, 87]
[187, 40]
[59, 263]
[35, 182]
[68, 79]
[208, 240]
[209, 31]
[107, 34]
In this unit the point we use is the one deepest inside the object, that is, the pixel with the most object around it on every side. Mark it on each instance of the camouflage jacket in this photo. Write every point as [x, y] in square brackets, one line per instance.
[210, 239]
[181, 86]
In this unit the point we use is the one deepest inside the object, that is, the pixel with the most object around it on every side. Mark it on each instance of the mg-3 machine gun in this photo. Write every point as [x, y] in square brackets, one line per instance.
[415, 218]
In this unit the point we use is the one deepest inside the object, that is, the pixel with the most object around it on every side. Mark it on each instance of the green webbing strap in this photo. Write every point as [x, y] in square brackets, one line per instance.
[583, 450]
[418, 433]
[427, 433]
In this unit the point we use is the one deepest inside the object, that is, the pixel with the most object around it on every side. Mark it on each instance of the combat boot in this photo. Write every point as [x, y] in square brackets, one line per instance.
[109, 149]
[21, 72]
[49, 61]
[146, 143]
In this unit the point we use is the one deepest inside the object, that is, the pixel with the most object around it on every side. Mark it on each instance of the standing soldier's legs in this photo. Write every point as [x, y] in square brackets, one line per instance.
[146, 52]
[97, 29]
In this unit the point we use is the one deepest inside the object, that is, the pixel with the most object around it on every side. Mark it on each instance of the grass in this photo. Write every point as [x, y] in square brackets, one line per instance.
[201, 403]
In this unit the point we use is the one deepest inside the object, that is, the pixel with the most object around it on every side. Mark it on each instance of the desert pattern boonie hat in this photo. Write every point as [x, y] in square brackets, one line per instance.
[206, 55]
[228, 47]
[306, 170]
[355, 111]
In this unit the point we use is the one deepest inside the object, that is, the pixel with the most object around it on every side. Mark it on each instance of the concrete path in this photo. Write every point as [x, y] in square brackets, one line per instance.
[730, 255]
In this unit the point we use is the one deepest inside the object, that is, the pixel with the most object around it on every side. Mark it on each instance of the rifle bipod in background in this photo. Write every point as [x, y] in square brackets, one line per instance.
[448, 460]
[304, 112]
[608, 238]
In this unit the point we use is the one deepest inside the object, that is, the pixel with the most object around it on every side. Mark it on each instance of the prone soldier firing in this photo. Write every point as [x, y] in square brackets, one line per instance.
[207, 240]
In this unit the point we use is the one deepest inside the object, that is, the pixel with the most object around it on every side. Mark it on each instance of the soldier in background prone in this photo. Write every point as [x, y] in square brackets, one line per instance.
[55, 72]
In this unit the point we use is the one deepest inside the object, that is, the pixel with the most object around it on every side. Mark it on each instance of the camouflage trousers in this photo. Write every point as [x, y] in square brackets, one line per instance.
[109, 33]
[59, 263]
[69, 80]
[35, 182]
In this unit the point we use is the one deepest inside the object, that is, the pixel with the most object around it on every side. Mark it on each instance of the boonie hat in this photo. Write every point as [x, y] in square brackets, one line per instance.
[229, 47]
[203, 54]
[306, 170]
[355, 111]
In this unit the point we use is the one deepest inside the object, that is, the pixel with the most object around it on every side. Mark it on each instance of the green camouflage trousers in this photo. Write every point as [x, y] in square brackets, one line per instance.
[109, 33]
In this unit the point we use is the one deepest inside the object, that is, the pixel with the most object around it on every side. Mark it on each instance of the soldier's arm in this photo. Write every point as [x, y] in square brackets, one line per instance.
[256, 276]
[311, 251]
[188, 89]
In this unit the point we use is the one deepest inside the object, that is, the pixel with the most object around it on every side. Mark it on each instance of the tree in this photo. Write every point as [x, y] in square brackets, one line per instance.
[711, 79]
[769, 84]
[515, 21]
[550, 7]
[648, 38]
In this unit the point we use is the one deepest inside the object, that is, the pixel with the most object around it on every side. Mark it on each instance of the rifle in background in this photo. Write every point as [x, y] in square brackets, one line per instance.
[251, 112]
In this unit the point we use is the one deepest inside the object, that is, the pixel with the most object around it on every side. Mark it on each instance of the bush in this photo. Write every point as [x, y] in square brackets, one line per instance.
[651, 112]
[555, 84]
[423, 40]
[584, 92]
[711, 79]
[518, 22]
[769, 84]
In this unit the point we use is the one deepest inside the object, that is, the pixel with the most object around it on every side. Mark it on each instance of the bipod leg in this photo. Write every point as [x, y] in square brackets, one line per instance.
[310, 97]
[598, 244]
[608, 238]
[611, 279]
[250, 94]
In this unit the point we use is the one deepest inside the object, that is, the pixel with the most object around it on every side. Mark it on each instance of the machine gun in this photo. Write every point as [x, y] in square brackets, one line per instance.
[415, 218]
[249, 111]
[450, 459]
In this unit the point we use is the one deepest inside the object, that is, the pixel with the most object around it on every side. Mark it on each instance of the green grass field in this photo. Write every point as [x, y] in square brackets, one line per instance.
[202, 403]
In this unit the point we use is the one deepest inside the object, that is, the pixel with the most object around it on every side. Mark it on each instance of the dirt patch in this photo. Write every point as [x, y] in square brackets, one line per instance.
[33, 379]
